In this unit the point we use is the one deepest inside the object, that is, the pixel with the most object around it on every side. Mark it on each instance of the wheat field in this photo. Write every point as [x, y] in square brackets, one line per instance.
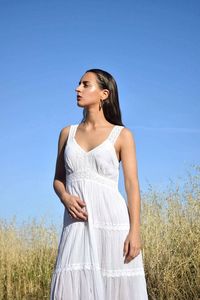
[171, 247]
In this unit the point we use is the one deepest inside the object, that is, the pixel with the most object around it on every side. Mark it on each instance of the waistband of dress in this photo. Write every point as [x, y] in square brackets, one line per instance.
[89, 175]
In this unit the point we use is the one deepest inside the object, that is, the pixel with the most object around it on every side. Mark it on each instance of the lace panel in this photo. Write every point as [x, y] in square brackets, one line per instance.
[110, 226]
[115, 133]
[88, 175]
[105, 272]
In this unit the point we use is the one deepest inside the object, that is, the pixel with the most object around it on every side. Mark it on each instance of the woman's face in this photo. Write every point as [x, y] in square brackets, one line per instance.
[88, 91]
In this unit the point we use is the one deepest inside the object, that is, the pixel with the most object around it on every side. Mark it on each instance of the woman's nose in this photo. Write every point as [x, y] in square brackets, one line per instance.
[77, 88]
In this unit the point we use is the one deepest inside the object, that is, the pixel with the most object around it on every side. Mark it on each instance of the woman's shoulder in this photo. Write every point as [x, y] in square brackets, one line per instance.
[126, 134]
[64, 133]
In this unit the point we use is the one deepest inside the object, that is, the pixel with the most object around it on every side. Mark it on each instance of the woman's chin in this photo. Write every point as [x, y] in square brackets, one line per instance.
[78, 103]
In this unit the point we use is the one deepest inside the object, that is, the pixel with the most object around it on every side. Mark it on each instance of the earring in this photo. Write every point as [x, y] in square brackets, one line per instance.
[100, 104]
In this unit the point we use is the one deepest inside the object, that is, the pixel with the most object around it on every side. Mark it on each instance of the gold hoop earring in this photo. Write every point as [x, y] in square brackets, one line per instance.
[100, 104]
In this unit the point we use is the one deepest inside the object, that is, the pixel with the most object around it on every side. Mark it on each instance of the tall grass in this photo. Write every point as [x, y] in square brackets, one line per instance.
[171, 235]
[27, 255]
[171, 247]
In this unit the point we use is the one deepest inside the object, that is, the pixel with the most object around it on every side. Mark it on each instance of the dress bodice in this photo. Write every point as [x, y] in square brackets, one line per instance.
[100, 163]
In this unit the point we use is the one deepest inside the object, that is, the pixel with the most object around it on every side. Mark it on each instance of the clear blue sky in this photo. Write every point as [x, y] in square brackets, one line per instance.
[152, 48]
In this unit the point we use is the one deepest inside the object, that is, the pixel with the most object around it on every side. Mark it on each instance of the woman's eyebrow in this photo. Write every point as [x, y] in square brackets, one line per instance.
[84, 82]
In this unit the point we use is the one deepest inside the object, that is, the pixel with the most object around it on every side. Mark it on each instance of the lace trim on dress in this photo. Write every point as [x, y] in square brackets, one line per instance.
[112, 136]
[99, 226]
[87, 174]
[110, 226]
[105, 272]
[71, 133]
[115, 133]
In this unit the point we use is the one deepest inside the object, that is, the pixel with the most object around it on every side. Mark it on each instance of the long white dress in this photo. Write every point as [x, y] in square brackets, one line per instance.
[90, 263]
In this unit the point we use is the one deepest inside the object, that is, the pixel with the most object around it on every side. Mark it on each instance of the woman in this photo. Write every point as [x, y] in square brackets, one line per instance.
[99, 254]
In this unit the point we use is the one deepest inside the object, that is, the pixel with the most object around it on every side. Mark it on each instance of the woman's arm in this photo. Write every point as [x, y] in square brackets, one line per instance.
[59, 177]
[129, 164]
[72, 202]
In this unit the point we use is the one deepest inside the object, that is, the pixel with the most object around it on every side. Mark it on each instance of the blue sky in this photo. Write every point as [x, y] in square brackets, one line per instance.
[150, 47]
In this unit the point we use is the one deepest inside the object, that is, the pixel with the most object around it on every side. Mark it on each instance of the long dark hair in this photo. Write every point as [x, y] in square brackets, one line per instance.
[110, 106]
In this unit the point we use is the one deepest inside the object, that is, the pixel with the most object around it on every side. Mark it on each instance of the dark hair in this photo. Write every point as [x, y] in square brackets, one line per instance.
[110, 106]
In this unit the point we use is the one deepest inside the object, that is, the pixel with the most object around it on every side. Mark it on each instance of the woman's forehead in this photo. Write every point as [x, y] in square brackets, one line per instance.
[89, 76]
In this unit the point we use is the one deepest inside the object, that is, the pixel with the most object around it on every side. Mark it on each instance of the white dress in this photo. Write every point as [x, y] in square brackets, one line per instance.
[90, 263]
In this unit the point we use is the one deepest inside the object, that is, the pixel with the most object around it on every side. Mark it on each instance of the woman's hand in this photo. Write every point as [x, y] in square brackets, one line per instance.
[132, 246]
[76, 207]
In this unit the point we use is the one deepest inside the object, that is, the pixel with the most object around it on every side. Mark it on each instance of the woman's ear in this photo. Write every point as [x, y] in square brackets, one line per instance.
[104, 94]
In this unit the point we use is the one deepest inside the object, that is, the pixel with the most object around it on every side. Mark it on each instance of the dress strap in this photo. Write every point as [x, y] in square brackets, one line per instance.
[115, 133]
[72, 131]
[112, 136]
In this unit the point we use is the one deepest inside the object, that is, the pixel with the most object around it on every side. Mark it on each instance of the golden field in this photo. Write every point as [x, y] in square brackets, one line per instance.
[171, 247]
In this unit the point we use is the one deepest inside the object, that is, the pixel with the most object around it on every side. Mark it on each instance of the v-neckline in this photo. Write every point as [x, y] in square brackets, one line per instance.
[96, 147]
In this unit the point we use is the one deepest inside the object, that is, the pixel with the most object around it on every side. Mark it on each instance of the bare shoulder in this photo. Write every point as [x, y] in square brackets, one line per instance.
[63, 136]
[64, 132]
[128, 154]
[126, 136]
[125, 144]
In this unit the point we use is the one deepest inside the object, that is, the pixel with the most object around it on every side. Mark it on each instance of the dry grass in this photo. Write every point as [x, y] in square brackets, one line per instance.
[27, 255]
[171, 238]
